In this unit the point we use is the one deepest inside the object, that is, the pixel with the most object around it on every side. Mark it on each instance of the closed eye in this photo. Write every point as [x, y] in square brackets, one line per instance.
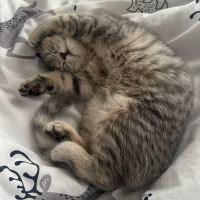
[50, 49]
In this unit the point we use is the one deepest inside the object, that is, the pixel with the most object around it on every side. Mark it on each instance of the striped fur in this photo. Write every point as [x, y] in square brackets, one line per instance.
[139, 96]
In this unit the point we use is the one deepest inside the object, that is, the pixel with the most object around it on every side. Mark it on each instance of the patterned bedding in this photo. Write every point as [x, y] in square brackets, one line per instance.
[23, 174]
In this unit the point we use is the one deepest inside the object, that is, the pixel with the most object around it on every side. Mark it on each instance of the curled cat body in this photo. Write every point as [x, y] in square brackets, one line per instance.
[138, 96]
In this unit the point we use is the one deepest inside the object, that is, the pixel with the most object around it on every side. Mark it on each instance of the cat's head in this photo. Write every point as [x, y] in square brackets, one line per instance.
[64, 53]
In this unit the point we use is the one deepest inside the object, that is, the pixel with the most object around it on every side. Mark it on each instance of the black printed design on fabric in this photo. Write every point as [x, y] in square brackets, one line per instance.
[45, 182]
[146, 196]
[147, 6]
[193, 14]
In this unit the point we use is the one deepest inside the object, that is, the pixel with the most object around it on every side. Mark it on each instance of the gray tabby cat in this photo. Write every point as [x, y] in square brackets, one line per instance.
[139, 95]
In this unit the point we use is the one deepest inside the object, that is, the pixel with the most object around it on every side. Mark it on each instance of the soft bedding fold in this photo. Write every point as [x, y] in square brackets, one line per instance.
[23, 174]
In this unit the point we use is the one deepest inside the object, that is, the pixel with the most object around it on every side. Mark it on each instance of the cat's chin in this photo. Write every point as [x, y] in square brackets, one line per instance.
[71, 69]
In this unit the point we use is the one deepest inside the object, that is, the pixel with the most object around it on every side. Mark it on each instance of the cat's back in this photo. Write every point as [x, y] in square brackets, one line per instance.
[138, 117]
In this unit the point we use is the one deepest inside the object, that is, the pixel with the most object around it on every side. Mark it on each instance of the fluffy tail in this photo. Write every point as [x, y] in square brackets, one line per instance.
[44, 115]
[48, 109]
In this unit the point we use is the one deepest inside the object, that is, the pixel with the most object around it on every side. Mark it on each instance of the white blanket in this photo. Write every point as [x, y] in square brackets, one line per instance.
[23, 174]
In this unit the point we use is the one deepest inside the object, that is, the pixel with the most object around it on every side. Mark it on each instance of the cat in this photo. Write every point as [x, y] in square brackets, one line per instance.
[138, 96]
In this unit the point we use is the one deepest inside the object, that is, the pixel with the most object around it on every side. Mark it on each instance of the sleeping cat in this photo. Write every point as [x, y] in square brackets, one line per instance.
[139, 95]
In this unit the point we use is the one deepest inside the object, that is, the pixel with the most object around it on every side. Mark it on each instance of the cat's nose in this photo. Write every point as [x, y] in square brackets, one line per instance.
[63, 55]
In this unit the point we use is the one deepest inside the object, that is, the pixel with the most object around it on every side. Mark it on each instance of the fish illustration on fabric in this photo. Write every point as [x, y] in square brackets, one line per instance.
[147, 6]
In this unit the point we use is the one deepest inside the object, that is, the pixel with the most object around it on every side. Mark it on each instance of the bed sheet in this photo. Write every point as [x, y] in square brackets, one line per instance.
[23, 174]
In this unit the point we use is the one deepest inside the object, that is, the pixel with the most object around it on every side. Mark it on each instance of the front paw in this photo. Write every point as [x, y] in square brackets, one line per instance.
[58, 130]
[38, 34]
[46, 28]
[35, 39]
[33, 87]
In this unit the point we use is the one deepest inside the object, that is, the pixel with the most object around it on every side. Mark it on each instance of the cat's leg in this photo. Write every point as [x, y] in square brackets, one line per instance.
[36, 85]
[97, 26]
[60, 131]
[57, 82]
[49, 134]
[54, 133]
[84, 165]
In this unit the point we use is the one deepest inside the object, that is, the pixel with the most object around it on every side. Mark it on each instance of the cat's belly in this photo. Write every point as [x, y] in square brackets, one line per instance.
[102, 109]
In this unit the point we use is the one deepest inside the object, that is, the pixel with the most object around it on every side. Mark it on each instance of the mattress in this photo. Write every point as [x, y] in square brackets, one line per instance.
[23, 173]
